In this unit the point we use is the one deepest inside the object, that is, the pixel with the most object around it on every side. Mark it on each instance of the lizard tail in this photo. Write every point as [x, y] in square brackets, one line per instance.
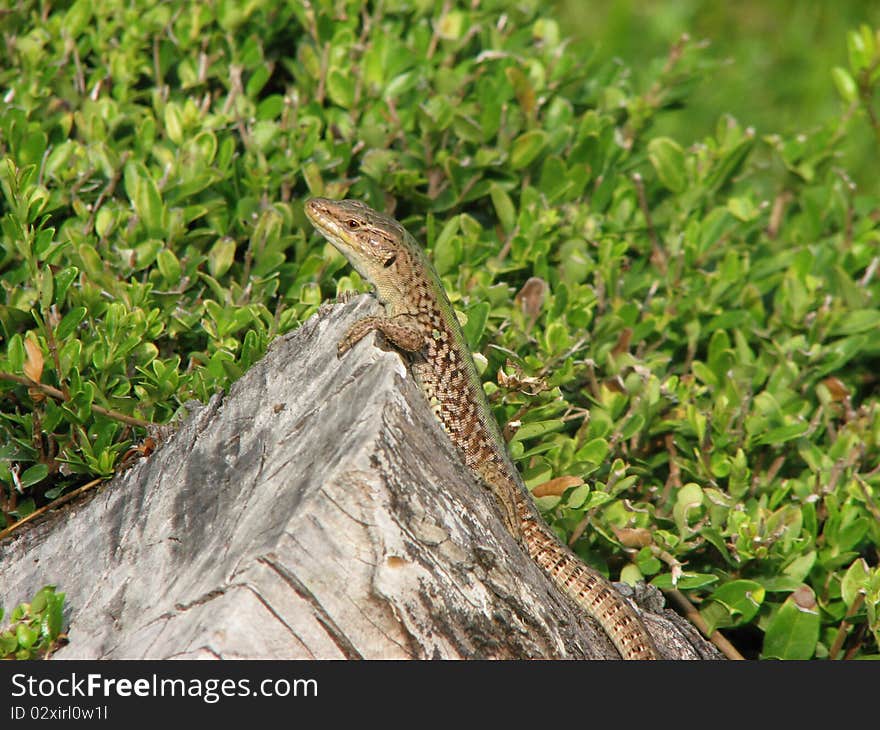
[585, 586]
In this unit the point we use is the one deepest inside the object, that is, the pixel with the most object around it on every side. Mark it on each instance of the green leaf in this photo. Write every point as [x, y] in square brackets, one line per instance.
[144, 196]
[63, 280]
[860, 47]
[783, 433]
[221, 256]
[55, 614]
[169, 266]
[647, 562]
[578, 496]
[631, 575]
[729, 164]
[70, 322]
[743, 208]
[16, 354]
[77, 18]
[8, 644]
[846, 85]
[691, 495]
[26, 635]
[473, 329]
[688, 582]
[594, 451]
[173, 123]
[33, 475]
[538, 428]
[794, 631]
[741, 598]
[633, 426]
[855, 581]
[800, 567]
[40, 600]
[858, 320]
[341, 88]
[780, 584]
[526, 148]
[47, 289]
[504, 208]
[667, 158]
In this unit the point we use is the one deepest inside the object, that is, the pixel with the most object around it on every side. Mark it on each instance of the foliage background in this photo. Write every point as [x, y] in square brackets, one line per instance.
[675, 308]
[773, 61]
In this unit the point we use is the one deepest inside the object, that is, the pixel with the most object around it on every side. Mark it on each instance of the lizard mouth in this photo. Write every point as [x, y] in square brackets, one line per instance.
[319, 212]
[316, 210]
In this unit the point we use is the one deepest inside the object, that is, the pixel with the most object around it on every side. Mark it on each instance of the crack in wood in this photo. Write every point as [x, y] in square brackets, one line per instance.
[336, 634]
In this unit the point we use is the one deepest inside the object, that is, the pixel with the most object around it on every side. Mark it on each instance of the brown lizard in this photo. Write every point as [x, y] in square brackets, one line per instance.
[420, 321]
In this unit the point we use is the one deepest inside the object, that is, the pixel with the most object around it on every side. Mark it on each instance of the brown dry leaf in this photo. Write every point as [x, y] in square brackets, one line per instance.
[530, 298]
[804, 598]
[33, 366]
[623, 341]
[518, 380]
[836, 388]
[633, 537]
[556, 487]
[522, 87]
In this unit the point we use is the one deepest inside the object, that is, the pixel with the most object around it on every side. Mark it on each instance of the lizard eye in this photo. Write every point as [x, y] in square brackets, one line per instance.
[352, 223]
[390, 261]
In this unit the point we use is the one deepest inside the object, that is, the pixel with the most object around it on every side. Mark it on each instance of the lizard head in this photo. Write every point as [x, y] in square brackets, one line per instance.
[375, 245]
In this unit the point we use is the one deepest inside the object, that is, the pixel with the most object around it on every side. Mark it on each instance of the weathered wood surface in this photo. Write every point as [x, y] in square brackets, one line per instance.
[316, 511]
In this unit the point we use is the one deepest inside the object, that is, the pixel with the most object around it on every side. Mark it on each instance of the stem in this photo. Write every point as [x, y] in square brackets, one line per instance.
[52, 505]
[693, 615]
[55, 393]
[844, 625]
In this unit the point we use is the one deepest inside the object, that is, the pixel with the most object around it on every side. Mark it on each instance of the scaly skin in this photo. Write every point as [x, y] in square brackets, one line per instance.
[420, 321]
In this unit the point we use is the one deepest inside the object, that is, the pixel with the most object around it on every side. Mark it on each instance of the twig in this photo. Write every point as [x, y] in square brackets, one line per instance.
[580, 528]
[858, 639]
[674, 478]
[55, 393]
[865, 93]
[79, 76]
[693, 615]
[52, 505]
[108, 190]
[435, 36]
[658, 257]
[844, 625]
[51, 324]
[777, 212]
[866, 493]
[869, 272]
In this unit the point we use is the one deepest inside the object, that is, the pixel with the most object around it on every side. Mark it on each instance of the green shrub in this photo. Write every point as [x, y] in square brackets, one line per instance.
[34, 630]
[689, 332]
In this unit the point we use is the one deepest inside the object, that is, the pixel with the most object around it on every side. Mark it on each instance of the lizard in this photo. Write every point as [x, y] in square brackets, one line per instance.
[419, 321]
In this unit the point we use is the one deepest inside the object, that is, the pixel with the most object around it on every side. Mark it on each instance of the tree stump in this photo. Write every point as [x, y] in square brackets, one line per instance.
[316, 511]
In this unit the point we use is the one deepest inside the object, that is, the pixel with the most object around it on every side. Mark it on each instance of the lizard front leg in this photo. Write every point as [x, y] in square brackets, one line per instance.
[401, 331]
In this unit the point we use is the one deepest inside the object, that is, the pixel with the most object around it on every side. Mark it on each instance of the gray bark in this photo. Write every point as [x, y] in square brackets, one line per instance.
[316, 511]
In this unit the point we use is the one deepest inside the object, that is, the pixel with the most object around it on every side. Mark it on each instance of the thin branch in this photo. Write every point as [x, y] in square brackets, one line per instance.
[108, 190]
[52, 322]
[658, 256]
[844, 625]
[869, 272]
[866, 493]
[63, 499]
[693, 615]
[435, 36]
[55, 393]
